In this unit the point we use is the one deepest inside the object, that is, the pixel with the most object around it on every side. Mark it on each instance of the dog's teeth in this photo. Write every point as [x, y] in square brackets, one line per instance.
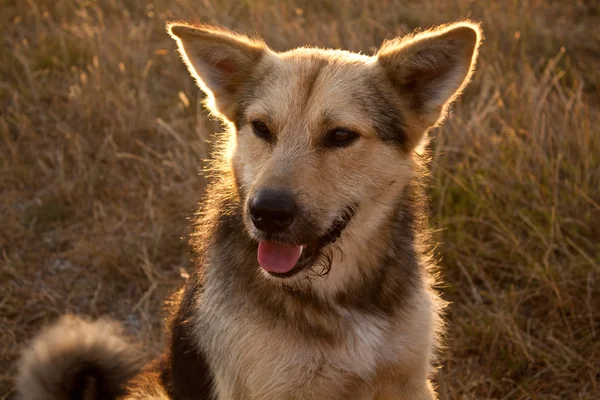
[301, 249]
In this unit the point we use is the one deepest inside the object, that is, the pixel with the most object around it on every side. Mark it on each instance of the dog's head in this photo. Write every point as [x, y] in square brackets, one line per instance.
[324, 137]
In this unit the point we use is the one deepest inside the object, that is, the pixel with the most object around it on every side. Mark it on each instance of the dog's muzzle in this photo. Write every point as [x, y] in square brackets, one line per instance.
[295, 258]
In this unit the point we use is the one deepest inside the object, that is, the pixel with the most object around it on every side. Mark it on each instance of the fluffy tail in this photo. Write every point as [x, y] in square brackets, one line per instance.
[77, 359]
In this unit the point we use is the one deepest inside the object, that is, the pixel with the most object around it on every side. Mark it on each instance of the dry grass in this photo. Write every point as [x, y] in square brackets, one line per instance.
[101, 136]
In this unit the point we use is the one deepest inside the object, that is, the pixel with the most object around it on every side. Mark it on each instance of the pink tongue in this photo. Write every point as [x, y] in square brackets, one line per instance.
[278, 257]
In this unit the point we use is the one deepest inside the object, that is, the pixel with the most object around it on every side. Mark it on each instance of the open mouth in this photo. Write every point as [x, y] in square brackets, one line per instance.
[284, 260]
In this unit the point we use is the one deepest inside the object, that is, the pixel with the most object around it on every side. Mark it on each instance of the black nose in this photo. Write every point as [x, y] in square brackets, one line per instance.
[272, 211]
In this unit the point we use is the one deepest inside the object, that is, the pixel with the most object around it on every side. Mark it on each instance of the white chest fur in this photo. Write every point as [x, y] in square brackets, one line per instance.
[255, 357]
[367, 342]
[264, 360]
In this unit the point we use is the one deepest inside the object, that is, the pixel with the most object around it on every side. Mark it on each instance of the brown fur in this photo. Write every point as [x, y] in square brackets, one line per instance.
[77, 359]
[362, 320]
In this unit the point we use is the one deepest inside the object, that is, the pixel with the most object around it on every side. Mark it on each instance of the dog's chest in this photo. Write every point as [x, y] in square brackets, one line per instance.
[265, 361]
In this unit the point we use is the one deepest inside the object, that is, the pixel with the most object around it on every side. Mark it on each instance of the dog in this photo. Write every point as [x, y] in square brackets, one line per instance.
[314, 275]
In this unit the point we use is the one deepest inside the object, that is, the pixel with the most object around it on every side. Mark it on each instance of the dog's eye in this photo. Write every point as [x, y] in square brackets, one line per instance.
[262, 130]
[340, 138]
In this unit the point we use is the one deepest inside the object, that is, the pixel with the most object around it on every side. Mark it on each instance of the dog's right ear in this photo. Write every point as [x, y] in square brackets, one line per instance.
[220, 61]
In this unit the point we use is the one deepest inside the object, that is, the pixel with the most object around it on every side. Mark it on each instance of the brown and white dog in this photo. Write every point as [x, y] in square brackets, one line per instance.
[313, 276]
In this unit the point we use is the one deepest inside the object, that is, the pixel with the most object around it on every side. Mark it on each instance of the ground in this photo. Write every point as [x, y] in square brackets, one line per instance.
[102, 133]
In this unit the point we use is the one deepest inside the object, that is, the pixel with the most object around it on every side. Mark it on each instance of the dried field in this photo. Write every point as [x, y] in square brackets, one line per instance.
[102, 133]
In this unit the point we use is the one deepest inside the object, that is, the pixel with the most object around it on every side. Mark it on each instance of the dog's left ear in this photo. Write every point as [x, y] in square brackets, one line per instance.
[221, 62]
[431, 69]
